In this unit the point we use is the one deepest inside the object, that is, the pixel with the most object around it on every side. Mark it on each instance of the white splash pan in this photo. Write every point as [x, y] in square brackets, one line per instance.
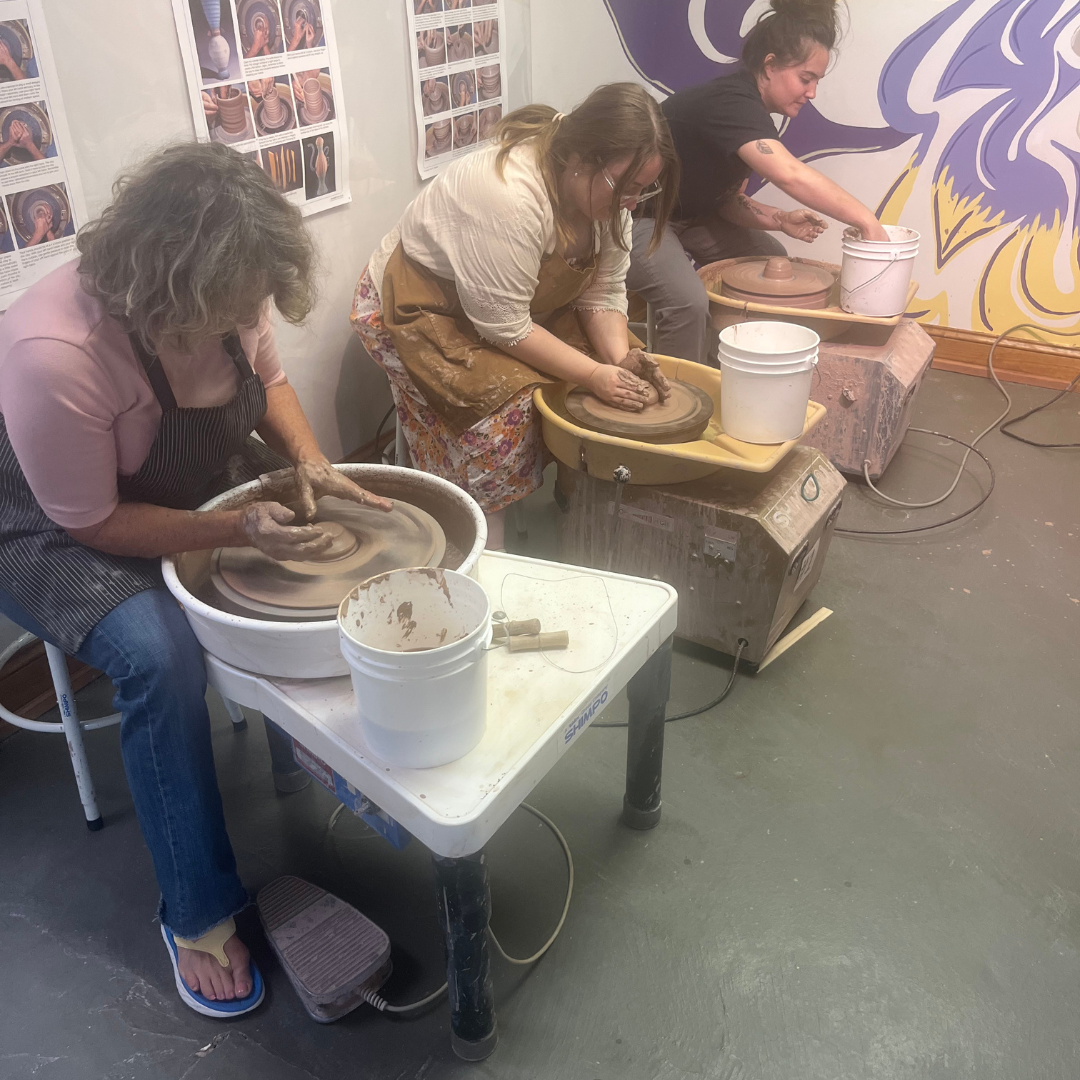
[310, 650]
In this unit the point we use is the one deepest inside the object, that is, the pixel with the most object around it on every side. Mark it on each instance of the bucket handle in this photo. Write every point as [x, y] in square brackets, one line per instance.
[848, 293]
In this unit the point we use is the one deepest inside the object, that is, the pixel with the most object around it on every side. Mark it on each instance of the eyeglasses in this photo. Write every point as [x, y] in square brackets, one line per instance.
[650, 192]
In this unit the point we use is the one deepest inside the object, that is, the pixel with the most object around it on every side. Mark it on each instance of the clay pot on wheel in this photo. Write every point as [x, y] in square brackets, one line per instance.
[232, 111]
[273, 107]
[315, 105]
[441, 133]
[490, 82]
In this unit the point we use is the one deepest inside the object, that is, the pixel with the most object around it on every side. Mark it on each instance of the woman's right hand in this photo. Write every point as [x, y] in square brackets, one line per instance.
[874, 230]
[266, 526]
[619, 387]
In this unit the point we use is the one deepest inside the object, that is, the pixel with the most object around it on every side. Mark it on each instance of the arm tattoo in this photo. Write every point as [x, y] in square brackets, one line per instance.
[748, 204]
[764, 147]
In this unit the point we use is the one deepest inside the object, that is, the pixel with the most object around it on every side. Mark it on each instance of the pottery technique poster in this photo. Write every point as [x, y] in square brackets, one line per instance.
[458, 73]
[264, 77]
[41, 202]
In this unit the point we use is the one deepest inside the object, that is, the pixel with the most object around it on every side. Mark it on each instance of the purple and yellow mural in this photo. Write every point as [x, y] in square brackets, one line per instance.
[981, 102]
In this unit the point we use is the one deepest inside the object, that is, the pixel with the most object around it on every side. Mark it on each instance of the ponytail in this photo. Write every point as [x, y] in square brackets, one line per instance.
[789, 31]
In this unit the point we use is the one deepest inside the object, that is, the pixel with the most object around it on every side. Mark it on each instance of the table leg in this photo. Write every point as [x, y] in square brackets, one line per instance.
[464, 910]
[648, 693]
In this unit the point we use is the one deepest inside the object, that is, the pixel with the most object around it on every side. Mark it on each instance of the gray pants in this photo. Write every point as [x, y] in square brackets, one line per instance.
[669, 283]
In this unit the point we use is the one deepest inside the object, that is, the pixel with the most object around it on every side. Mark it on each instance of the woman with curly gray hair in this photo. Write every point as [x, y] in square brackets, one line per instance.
[131, 381]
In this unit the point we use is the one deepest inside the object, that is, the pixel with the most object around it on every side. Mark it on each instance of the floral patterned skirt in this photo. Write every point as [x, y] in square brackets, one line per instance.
[497, 461]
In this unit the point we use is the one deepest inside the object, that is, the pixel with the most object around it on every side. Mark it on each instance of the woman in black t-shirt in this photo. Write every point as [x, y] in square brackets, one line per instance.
[723, 132]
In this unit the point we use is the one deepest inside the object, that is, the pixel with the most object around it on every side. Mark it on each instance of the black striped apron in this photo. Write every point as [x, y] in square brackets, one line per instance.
[197, 453]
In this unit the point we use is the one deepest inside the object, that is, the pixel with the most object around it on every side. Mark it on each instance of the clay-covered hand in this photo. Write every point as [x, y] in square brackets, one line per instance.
[266, 526]
[645, 367]
[483, 32]
[616, 386]
[209, 105]
[317, 477]
[874, 230]
[802, 225]
[310, 480]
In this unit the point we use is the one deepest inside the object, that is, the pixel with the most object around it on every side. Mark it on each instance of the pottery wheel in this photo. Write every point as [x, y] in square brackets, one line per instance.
[778, 280]
[682, 418]
[365, 543]
[264, 12]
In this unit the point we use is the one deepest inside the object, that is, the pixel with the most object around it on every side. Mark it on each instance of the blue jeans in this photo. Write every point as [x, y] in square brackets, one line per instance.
[148, 650]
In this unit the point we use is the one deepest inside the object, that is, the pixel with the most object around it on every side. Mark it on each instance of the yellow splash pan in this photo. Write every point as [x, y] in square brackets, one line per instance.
[651, 463]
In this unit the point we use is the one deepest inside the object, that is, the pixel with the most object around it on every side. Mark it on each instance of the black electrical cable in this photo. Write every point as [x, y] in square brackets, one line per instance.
[1001, 422]
[856, 534]
[1039, 408]
[378, 434]
[743, 643]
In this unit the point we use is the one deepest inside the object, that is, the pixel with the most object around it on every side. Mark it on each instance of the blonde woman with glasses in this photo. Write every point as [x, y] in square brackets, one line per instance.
[509, 271]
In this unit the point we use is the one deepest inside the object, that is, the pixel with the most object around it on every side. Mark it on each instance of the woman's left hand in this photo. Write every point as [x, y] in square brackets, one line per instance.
[645, 367]
[802, 225]
[310, 480]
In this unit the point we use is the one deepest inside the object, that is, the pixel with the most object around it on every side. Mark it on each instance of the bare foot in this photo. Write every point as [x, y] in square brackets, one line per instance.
[204, 975]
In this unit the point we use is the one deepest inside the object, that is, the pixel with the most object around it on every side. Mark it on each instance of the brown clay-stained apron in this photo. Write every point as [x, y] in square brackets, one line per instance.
[460, 375]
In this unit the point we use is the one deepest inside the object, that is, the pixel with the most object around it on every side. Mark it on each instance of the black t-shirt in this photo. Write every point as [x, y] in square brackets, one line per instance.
[710, 124]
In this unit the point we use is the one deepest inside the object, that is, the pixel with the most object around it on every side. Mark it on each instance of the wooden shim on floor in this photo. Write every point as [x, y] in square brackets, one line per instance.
[26, 686]
[794, 636]
[1018, 359]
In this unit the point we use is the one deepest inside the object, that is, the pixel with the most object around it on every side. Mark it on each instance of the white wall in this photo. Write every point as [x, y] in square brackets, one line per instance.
[575, 48]
[123, 87]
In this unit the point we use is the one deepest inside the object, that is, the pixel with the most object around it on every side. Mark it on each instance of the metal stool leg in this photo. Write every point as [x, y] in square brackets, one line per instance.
[236, 714]
[69, 717]
[401, 447]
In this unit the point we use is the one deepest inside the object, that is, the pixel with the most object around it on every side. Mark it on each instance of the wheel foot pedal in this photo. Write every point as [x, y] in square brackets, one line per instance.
[331, 953]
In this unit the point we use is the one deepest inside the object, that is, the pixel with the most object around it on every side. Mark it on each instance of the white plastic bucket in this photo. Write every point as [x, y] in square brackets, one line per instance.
[416, 644]
[876, 274]
[767, 370]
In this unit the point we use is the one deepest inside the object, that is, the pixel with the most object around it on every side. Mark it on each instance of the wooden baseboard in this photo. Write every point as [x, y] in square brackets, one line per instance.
[1017, 360]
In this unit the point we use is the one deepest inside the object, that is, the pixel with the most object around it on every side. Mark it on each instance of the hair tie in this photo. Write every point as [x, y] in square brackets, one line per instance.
[558, 117]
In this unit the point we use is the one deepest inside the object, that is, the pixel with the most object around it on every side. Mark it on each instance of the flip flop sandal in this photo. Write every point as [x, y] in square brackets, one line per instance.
[213, 943]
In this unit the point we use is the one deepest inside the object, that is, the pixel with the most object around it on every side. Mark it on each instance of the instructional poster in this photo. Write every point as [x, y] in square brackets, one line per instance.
[458, 76]
[264, 77]
[42, 203]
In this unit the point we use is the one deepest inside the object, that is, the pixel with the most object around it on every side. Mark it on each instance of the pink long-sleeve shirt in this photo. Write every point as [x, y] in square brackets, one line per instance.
[77, 404]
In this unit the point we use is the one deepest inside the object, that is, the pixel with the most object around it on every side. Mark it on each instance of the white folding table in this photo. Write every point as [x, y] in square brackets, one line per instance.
[538, 705]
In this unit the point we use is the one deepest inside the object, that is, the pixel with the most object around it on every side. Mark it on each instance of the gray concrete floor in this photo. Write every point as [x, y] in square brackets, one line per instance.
[868, 865]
